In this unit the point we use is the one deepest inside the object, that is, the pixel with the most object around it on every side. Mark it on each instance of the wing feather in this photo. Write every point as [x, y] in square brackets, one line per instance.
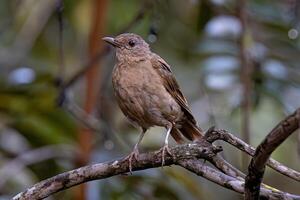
[171, 85]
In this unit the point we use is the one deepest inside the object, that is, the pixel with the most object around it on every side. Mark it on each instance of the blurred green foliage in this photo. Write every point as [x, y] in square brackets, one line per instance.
[199, 39]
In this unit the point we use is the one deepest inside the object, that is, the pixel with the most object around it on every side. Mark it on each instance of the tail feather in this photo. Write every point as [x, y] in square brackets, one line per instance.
[177, 135]
[191, 131]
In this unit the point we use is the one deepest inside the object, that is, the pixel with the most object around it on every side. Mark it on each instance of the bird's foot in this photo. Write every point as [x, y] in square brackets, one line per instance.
[134, 154]
[164, 151]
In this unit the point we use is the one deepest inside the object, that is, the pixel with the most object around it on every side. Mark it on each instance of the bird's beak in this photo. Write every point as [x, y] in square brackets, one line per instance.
[111, 41]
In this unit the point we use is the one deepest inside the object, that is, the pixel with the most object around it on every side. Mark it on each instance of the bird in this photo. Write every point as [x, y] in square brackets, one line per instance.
[148, 93]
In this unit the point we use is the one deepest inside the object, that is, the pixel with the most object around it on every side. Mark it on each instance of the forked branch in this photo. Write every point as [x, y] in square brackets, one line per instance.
[188, 156]
[69, 179]
[257, 165]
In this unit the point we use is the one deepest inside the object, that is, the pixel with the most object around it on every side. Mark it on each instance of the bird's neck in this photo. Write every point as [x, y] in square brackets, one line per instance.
[121, 58]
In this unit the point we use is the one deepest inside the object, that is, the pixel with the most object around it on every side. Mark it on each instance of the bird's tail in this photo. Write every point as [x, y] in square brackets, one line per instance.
[189, 130]
[177, 135]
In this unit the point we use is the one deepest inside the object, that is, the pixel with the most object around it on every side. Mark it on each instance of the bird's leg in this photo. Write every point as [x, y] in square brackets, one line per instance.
[135, 152]
[165, 149]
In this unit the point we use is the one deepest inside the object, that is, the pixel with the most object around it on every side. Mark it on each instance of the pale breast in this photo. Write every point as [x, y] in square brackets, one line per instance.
[142, 96]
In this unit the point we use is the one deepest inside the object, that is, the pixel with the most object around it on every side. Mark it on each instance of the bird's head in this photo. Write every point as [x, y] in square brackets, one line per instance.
[128, 45]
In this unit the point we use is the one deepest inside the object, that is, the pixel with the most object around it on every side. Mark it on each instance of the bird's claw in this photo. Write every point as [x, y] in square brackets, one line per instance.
[134, 154]
[165, 150]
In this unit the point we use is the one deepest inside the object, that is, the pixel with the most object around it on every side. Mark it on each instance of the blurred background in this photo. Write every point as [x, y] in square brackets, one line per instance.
[236, 61]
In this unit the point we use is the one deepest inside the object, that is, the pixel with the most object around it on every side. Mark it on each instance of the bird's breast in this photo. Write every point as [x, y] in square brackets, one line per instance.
[136, 76]
[140, 92]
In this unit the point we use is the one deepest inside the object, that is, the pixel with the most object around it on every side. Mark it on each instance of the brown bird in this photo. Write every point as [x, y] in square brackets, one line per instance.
[148, 93]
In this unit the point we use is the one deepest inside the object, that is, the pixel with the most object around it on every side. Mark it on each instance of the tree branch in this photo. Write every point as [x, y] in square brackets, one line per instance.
[246, 74]
[221, 164]
[184, 155]
[69, 179]
[229, 182]
[213, 135]
[256, 168]
[187, 156]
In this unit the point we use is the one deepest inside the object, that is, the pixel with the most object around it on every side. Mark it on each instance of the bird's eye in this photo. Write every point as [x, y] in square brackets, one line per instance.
[131, 43]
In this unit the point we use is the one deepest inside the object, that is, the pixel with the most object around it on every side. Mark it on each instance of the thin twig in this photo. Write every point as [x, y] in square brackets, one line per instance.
[61, 64]
[246, 75]
[219, 134]
[59, 10]
[256, 168]
[229, 182]
[221, 164]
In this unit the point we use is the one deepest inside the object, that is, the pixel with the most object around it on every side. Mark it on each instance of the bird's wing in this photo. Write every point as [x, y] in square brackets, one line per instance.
[171, 85]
